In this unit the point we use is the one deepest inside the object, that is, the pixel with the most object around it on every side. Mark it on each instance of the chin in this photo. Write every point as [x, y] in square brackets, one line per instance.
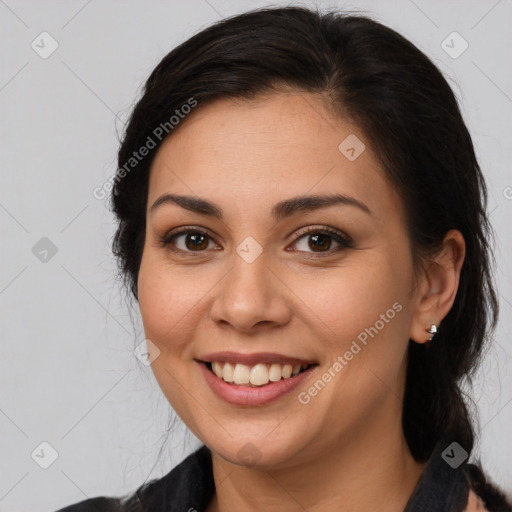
[256, 452]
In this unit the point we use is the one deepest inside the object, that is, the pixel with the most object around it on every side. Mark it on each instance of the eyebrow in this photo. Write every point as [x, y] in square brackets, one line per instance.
[281, 210]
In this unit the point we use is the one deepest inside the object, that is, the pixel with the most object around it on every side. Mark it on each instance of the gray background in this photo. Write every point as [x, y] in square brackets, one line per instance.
[68, 375]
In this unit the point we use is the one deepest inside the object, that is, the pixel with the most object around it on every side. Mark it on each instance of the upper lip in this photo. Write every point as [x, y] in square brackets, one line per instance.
[253, 359]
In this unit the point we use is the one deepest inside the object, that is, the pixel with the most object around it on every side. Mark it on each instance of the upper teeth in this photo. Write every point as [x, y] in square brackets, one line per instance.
[257, 375]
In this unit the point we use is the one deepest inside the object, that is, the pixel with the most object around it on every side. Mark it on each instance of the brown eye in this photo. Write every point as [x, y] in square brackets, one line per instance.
[187, 241]
[195, 241]
[192, 241]
[315, 240]
[319, 242]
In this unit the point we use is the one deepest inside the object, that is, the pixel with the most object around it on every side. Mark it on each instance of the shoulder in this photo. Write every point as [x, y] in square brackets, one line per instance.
[475, 503]
[190, 482]
[484, 495]
[99, 504]
[130, 503]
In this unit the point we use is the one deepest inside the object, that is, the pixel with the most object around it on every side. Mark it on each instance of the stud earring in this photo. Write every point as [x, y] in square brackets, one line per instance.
[432, 330]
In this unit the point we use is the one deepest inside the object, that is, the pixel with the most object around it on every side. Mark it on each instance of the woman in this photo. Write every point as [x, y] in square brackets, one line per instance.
[302, 220]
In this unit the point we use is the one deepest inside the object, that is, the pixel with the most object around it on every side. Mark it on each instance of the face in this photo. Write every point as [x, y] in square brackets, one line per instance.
[267, 280]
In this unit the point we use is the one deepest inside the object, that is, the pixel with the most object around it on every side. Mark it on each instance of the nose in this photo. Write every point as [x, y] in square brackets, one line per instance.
[251, 296]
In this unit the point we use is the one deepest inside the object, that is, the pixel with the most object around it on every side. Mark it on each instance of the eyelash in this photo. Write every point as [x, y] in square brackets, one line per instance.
[344, 240]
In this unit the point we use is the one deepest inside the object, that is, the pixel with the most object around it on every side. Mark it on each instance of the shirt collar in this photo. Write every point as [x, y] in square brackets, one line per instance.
[442, 487]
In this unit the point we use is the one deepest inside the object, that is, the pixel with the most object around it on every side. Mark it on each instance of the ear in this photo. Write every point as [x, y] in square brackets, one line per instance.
[437, 286]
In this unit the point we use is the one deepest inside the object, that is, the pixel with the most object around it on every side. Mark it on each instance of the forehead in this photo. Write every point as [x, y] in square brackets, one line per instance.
[277, 126]
[274, 146]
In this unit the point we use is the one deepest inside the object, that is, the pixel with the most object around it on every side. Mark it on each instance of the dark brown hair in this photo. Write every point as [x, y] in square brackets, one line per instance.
[404, 106]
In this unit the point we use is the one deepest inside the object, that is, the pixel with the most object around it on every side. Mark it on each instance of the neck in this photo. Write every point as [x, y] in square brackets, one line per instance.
[373, 471]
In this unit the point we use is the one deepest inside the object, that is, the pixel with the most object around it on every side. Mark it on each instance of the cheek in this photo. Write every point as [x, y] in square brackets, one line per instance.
[167, 299]
[344, 301]
[362, 319]
[361, 316]
[168, 304]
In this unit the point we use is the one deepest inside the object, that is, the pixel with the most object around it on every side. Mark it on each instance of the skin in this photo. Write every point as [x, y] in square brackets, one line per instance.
[475, 503]
[345, 449]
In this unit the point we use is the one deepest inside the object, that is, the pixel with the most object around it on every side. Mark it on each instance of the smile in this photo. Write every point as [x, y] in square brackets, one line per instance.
[257, 375]
[255, 383]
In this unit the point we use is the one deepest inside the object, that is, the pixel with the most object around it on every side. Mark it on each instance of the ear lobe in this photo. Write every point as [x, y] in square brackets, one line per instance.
[438, 287]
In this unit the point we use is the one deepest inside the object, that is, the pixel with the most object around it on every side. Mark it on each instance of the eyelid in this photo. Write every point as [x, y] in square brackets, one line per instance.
[165, 239]
[340, 237]
[322, 229]
[343, 240]
[187, 228]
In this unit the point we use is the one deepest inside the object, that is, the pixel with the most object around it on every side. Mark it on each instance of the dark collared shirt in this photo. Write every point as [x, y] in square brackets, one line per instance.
[189, 487]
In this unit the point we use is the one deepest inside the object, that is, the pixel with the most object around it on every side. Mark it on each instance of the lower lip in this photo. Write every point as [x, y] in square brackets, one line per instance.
[251, 395]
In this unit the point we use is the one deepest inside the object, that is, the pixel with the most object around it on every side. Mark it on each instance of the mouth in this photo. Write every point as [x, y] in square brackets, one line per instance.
[255, 384]
[258, 375]
[254, 379]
